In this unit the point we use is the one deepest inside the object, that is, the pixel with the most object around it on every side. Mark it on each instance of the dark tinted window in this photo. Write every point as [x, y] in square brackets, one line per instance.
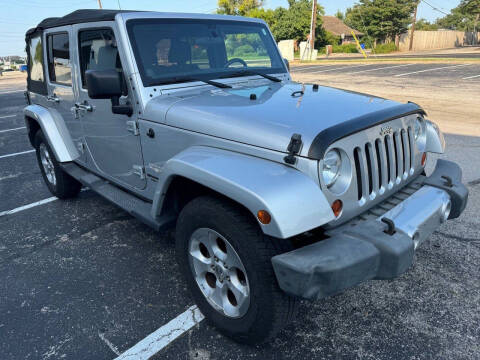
[174, 50]
[36, 59]
[59, 66]
[98, 51]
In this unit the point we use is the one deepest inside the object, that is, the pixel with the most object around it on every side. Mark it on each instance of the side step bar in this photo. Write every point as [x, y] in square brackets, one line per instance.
[130, 203]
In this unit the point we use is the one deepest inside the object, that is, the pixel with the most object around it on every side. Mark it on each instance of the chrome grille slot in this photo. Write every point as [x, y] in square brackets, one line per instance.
[406, 154]
[390, 159]
[398, 155]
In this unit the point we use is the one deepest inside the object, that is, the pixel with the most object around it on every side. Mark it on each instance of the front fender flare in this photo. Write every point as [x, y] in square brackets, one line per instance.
[294, 201]
[55, 131]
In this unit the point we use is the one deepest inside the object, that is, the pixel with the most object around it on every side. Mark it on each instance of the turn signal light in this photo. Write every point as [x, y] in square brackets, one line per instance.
[337, 207]
[264, 217]
[424, 159]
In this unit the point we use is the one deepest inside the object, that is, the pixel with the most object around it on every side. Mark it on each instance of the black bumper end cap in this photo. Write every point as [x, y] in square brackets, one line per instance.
[448, 177]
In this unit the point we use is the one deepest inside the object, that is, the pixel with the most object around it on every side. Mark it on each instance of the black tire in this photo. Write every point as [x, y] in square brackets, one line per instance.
[65, 186]
[270, 308]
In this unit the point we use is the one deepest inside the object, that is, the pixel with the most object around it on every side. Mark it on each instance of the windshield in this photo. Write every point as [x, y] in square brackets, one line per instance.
[175, 50]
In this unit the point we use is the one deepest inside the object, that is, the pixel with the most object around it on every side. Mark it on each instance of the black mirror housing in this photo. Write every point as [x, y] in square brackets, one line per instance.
[103, 84]
[287, 63]
[107, 84]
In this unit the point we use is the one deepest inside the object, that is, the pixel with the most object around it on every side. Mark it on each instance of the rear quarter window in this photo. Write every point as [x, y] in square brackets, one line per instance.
[36, 59]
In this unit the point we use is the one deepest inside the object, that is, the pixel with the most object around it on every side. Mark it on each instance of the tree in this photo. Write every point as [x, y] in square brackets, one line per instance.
[340, 15]
[472, 8]
[381, 19]
[294, 22]
[464, 17]
[238, 7]
[425, 25]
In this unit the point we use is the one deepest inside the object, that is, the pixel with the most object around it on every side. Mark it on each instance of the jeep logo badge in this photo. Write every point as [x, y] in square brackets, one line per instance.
[386, 130]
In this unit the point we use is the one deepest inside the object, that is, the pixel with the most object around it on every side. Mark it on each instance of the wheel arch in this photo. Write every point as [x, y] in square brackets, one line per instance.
[53, 127]
[294, 201]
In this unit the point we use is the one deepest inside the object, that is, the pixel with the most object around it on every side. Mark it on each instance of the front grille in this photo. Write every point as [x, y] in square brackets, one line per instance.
[383, 162]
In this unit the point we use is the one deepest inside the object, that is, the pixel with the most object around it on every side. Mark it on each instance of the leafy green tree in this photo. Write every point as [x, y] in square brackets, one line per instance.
[425, 25]
[238, 7]
[294, 22]
[267, 15]
[464, 17]
[381, 19]
[340, 15]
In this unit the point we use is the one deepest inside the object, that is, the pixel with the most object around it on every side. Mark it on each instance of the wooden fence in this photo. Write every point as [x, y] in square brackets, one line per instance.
[443, 39]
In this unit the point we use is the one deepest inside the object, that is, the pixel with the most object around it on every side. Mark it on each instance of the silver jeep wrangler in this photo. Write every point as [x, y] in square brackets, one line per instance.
[278, 190]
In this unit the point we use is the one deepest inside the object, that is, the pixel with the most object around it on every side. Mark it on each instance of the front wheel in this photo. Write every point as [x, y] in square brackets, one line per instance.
[226, 260]
[60, 184]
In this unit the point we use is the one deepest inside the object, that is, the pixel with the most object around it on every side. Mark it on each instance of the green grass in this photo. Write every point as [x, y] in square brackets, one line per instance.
[385, 48]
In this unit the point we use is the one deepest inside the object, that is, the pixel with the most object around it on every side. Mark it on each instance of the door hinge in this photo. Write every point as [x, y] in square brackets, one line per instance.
[139, 170]
[293, 149]
[132, 126]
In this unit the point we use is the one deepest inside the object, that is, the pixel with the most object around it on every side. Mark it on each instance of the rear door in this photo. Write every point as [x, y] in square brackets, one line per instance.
[112, 140]
[60, 83]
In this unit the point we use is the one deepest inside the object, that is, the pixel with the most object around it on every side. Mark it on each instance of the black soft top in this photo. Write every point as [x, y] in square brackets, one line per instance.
[77, 17]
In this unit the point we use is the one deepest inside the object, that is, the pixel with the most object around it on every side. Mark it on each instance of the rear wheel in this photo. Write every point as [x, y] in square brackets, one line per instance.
[226, 260]
[60, 184]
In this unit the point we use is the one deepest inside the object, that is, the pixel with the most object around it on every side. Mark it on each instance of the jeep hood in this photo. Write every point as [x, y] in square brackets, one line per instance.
[268, 114]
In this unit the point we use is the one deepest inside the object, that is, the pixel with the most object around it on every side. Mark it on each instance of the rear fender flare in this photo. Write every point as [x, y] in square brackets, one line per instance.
[55, 131]
[295, 202]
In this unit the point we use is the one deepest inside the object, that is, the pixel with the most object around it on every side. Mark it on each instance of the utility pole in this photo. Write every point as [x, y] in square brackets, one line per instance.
[100, 4]
[313, 24]
[410, 47]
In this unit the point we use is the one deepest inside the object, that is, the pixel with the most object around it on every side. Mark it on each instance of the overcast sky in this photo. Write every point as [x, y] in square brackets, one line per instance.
[16, 16]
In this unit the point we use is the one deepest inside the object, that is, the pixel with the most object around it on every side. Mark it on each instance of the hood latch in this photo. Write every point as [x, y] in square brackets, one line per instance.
[293, 149]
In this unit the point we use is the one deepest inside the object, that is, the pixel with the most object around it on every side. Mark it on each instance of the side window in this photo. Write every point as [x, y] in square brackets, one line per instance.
[36, 59]
[98, 51]
[59, 66]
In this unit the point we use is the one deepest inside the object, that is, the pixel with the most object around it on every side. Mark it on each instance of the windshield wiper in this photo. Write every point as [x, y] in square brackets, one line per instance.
[250, 72]
[185, 79]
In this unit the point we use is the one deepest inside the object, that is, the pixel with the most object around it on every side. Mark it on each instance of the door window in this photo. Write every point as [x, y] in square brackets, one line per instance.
[98, 51]
[59, 66]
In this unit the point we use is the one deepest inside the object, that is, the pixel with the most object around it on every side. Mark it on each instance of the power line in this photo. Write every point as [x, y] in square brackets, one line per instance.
[435, 8]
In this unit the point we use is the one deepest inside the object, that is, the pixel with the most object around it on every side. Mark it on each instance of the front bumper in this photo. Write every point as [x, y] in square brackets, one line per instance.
[382, 248]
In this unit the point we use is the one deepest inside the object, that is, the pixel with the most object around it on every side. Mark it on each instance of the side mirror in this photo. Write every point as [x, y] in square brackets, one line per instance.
[287, 63]
[107, 84]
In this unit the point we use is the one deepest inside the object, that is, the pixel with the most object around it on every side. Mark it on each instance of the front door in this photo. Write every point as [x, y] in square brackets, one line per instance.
[60, 95]
[112, 141]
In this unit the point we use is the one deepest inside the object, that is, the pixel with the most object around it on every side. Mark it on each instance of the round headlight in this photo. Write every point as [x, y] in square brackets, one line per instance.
[418, 128]
[331, 167]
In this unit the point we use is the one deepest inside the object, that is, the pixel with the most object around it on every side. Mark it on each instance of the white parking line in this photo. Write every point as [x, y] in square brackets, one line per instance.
[339, 68]
[470, 77]
[15, 154]
[159, 339]
[29, 206]
[440, 68]
[297, 68]
[20, 128]
[11, 92]
[7, 116]
[382, 68]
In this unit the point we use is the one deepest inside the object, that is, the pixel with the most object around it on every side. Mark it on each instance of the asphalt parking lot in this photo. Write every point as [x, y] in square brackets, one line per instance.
[81, 279]
[443, 71]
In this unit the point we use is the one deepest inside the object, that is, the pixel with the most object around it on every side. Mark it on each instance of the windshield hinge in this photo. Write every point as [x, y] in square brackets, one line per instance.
[293, 149]
[132, 126]
[139, 170]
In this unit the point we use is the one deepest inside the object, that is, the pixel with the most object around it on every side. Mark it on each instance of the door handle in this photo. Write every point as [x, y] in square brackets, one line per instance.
[53, 98]
[84, 106]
